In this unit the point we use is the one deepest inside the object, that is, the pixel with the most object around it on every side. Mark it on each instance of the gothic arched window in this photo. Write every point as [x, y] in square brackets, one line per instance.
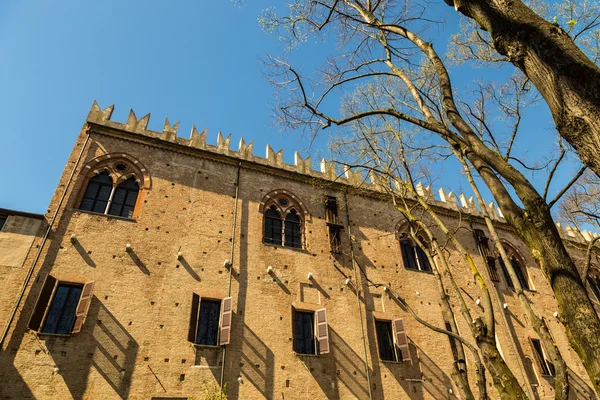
[413, 257]
[113, 185]
[283, 220]
[273, 226]
[518, 265]
[97, 193]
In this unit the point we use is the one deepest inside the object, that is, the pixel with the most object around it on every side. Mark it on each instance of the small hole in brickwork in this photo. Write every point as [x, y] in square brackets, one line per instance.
[258, 278]
[274, 280]
[202, 269]
[151, 303]
[105, 297]
[116, 356]
[166, 360]
[114, 256]
[130, 322]
[159, 263]
[90, 355]
[287, 382]
[204, 252]
[90, 252]
[220, 231]
[330, 288]
[99, 322]
[168, 165]
[37, 352]
[176, 304]
[206, 177]
[183, 361]
[145, 201]
[161, 326]
[172, 184]
[61, 247]
[222, 215]
[146, 228]
[280, 318]
[220, 272]
[146, 358]
[166, 197]
[181, 377]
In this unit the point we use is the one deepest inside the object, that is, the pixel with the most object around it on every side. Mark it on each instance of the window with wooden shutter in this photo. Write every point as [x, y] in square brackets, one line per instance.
[60, 316]
[322, 331]
[385, 340]
[83, 306]
[43, 302]
[226, 312]
[194, 318]
[304, 332]
[401, 340]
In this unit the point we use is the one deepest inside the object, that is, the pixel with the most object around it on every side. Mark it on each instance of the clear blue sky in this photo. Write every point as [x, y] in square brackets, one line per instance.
[194, 61]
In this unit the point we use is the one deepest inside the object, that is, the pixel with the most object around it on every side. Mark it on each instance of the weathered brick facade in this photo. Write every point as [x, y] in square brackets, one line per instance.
[133, 344]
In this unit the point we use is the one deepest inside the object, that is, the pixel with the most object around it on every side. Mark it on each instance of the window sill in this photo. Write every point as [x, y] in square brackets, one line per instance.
[299, 355]
[104, 215]
[277, 246]
[60, 335]
[418, 270]
[391, 362]
[206, 346]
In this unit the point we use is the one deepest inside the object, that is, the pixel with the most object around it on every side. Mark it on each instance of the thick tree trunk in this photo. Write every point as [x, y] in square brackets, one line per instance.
[576, 312]
[567, 79]
[504, 381]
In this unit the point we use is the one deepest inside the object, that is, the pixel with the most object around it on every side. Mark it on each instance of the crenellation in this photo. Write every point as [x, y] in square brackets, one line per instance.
[170, 131]
[327, 169]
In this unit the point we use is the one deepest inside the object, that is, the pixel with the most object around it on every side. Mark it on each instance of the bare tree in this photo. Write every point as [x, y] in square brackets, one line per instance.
[394, 72]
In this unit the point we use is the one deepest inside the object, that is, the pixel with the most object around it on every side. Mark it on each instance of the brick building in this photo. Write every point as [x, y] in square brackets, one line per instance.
[165, 265]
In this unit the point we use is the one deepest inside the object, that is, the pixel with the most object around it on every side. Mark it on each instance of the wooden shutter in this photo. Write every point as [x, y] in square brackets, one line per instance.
[194, 318]
[42, 303]
[401, 340]
[225, 330]
[322, 332]
[83, 306]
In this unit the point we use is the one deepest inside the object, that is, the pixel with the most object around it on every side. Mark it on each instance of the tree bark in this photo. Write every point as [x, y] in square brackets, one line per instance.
[567, 79]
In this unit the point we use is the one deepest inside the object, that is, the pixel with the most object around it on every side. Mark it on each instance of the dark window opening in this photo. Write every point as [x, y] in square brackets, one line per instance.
[331, 210]
[61, 314]
[546, 367]
[518, 271]
[385, 341]
[491, 265]
[208, 322]
[304, 333]
[97, 193]
[124, 198]
[2, 222]
[273, 227]
[414, 257]
[293, 235]
[335, 239]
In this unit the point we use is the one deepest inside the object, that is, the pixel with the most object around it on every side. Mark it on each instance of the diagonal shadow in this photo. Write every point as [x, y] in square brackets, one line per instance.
[140, 264]
[189, 269]
[86, 257]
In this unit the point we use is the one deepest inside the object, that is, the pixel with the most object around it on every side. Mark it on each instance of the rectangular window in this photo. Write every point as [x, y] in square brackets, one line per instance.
[385, 340]
[491, 264]
[304, 335]
[546, 367]
[210, 321]
[333, 224]
[61, 307]
[61, 315]
[311, 332]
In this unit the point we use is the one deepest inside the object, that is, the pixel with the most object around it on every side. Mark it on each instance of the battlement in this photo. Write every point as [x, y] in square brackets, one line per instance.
[329, 170]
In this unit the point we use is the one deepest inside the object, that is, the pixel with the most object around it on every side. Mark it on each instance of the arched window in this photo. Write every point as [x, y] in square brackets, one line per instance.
[97, 193]
[413, 257]
[283, 219]
[273, 226]
[293, 224]
[113, 185]
[518, 265]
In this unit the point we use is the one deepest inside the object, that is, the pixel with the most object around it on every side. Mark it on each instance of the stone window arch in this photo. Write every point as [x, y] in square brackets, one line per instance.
[413, 256]
[113, 184]
[519, 265]
[284, 217]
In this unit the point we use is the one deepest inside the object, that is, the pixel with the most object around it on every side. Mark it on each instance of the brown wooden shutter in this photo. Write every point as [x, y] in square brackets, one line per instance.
[401, 340]
[322, 332]
[194, 318]
[42, 303]
[83, 306]
[226, 311]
